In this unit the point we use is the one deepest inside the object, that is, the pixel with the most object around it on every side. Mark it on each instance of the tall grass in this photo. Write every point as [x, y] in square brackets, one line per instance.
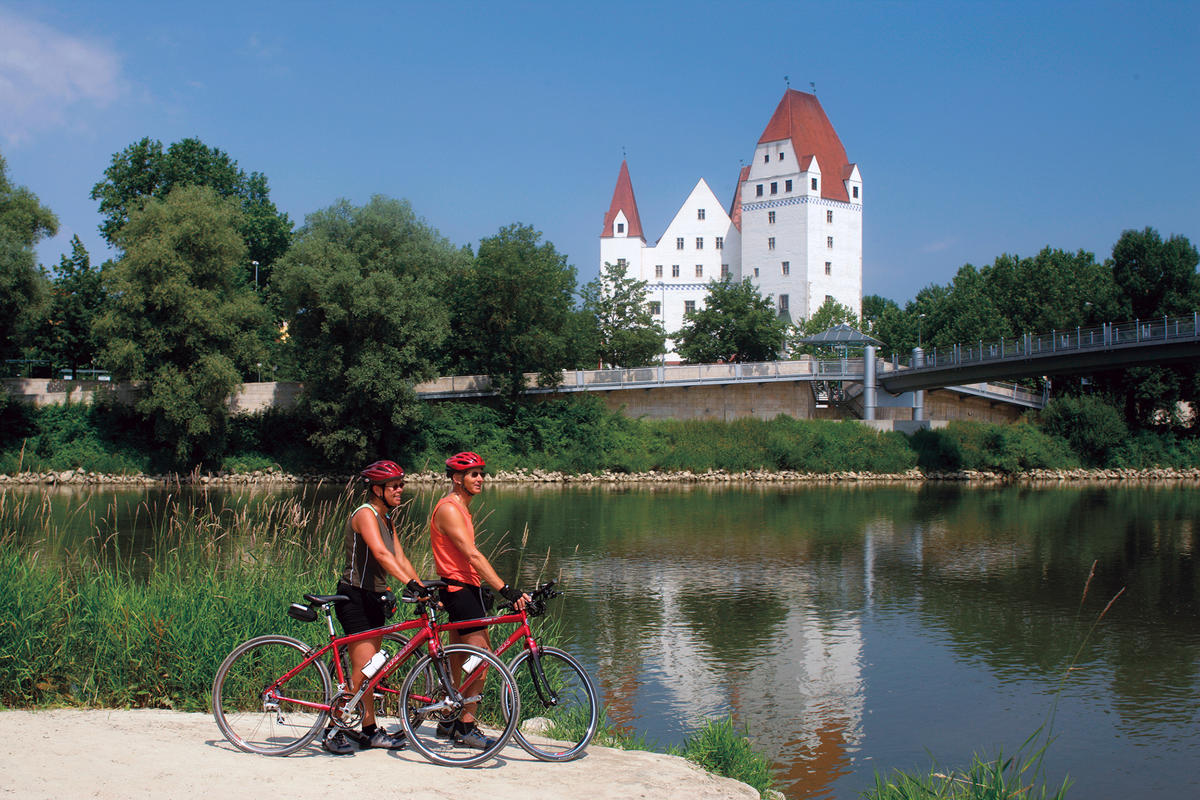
[102, 626]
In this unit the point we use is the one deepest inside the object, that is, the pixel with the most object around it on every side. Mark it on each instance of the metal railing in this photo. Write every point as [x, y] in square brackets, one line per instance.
[1106, 336]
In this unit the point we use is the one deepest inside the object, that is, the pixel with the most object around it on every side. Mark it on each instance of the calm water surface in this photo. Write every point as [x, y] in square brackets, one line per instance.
[855, 630]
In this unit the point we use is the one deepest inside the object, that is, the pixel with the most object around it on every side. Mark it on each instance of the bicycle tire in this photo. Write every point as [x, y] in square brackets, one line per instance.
[496, 716]
[270, 728]
[559, 732]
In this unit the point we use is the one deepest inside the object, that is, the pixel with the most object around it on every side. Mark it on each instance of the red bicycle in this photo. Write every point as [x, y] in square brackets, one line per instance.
[274, 694]
[558, 709]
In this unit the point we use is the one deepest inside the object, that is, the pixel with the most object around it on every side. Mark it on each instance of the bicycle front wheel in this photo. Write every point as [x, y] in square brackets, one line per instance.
[560, 715]
[260, 713]
[495, 716]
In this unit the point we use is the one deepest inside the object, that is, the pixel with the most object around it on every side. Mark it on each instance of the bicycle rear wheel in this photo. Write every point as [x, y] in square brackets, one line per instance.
[259, 713]
[557, 722]
[495, 716]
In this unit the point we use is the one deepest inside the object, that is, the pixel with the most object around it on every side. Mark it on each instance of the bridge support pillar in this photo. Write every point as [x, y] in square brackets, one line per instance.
[870, 383]
[918, 360]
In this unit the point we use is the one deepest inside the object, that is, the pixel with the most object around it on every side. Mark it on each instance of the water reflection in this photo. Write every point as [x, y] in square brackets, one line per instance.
[851, 629]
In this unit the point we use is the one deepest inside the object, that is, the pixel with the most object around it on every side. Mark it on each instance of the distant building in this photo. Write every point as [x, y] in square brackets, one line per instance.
[794, 226]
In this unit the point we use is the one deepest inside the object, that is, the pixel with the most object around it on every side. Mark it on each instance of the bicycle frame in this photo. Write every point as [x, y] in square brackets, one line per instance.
[426, 635]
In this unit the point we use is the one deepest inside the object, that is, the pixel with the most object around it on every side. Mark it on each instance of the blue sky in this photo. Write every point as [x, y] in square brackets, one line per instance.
[980, 128]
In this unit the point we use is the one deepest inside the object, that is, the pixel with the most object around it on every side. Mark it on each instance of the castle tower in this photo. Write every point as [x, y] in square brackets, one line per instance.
[794, 226]
[801, 212]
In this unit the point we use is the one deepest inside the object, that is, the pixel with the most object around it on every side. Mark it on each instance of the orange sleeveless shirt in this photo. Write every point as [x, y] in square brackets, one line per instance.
[449, 560]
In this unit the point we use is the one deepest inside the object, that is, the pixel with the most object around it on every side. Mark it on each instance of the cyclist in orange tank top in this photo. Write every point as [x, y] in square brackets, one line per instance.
[467, 570]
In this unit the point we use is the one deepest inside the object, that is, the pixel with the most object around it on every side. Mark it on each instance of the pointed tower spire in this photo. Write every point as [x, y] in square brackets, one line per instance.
[623, 203]
[800, 118]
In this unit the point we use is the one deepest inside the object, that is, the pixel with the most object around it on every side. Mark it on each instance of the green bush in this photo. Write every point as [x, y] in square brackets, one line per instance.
[1090, 426]
[937, 450]
[991, 447]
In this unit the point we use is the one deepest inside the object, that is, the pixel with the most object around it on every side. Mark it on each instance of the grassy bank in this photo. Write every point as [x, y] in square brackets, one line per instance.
[100, 627]
[579, 436]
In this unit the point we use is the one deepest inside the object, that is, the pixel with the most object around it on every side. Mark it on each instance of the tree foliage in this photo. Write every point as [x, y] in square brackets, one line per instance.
[144, 170]
[181, 316]
[77, 297]
[735, 324]
[513, 311]
[360, 289]
[24, 221]
[627, 334]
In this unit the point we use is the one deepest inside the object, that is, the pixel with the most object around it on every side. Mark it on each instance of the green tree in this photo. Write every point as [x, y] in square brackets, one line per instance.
[361, 290]
[144, 170]
[513, 311]
[627, 333]
[735, 324]
[76, 299]
[23, 222]
[181, 317]
[1154, 278]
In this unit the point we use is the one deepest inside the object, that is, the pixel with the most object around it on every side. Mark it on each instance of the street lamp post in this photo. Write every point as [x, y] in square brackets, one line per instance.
[920, 325]
[255, 263]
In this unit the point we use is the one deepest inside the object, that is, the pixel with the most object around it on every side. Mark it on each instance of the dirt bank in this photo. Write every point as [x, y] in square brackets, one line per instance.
[71, 753]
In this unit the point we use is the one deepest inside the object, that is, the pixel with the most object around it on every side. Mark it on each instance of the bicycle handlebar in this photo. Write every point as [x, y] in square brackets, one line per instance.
[538, 597]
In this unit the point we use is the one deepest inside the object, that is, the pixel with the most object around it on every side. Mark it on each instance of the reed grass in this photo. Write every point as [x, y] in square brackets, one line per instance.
[103, 625]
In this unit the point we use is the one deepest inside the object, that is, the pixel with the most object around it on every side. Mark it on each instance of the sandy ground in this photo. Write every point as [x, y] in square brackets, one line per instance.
[69, 753]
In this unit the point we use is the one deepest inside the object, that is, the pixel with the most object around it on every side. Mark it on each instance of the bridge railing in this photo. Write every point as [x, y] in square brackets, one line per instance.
[1107, 335]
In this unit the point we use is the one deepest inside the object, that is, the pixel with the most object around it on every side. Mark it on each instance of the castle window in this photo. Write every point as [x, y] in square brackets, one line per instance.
[758, 190]
[655, 307]
[699, 213]
[774, 187]
[829, 299]
[771, 217]
[689, 306]
[720, 243]
[766, 158]
[783, 302]
[679, 243]
[724, 271]
[814, 184]
[699, 270]
[622, 262]
[699, 242]
[786, 267]
[829, 216]
[781, 155]
[829, 241]
[828, 267]
[855, 192]
[674, 270]
[771, 243]
[620, 227]
[756, 272]
[658, 270]
[787, 186]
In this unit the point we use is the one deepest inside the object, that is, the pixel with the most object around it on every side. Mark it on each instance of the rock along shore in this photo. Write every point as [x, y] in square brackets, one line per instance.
[81, 477]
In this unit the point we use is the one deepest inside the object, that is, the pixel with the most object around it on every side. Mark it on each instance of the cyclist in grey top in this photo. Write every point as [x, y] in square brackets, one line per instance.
[372, 554]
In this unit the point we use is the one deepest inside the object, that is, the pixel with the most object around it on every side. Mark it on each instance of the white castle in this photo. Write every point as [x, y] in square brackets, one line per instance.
[794, 226]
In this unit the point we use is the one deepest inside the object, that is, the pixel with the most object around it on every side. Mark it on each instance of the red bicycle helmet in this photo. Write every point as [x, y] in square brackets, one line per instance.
[460, 462]
[382, 472]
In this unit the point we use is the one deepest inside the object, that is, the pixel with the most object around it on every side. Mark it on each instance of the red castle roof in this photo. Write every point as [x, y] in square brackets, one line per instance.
[800, 118]
[623, 201]
[735, 208]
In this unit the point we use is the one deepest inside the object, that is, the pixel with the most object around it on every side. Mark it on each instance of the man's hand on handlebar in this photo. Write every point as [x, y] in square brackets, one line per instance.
[518, 598]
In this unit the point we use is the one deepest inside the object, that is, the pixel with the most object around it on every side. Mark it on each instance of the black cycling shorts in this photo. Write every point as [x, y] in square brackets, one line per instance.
[362, 612]
[466, 602]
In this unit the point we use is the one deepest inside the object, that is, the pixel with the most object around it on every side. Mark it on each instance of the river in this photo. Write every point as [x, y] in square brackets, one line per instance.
[860, 629]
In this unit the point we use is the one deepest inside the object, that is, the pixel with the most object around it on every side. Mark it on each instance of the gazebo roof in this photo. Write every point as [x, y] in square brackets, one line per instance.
[841, 334]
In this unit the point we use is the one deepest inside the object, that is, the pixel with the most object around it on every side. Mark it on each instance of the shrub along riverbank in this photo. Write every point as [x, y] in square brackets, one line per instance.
[580, 437]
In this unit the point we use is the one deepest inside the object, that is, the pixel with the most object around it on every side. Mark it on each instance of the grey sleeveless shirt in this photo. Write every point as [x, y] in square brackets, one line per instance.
[362, 569]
